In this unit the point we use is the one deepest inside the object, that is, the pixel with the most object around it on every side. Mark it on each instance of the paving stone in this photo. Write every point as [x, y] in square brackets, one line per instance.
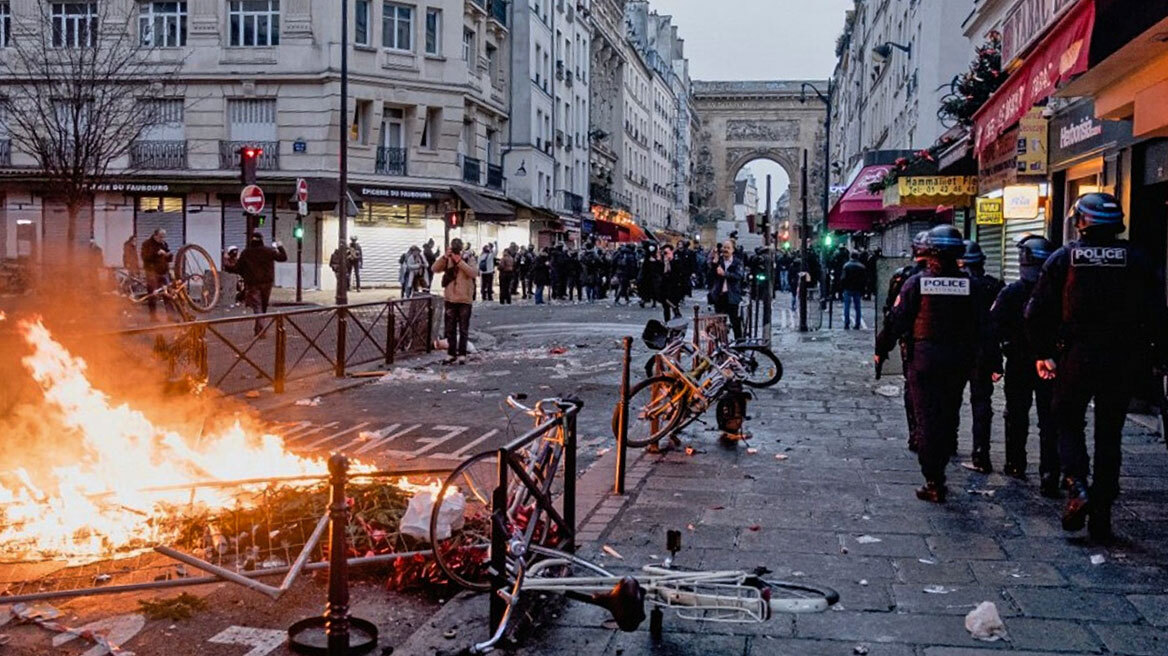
[860, 544]
[1133, 640]
[1069, 603]
[1011, 573]
[1112, 575]
[762, 646]
[968, 651]
[674, 643]
[940, 599]
[575, 642]
[883, 628]
[1052, 635]
[1154, 608]
[788, 541]
[912, 570]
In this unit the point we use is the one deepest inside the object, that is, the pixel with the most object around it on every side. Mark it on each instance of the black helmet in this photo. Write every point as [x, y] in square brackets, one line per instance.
[1097, 210]
[973, 254]
[1034, 250]
[945, 242]
[919, 243]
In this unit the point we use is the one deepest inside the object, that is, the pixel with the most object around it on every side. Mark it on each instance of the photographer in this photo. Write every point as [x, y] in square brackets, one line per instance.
[458, 284]
[726, 274]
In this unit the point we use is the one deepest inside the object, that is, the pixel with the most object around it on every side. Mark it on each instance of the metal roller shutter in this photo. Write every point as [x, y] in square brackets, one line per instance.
[990, 240]
[55, 227]
[152, 213]
[1015, 230]
[235, 226]
[381, 250]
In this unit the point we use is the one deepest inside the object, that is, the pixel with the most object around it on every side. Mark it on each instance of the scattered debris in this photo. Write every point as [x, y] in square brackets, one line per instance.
[691, 527]
[868, 539]
[926, 561]
[1098, 559]
[782, 456]
[890, 391]
[752, 450]
[984, 623]
[755, 528]
[600, 452]
[717, 507]
[860, 650]
[864, 582]
[181, 607]
[252, 394]
[450, 634]
[557, 350]
[984, 493]
[612, 552]
[101, 579]
[312, 403]
[939, 589]
[365, 374]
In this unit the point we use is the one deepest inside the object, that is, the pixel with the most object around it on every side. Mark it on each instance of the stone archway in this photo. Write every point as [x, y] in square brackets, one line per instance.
[745, 121]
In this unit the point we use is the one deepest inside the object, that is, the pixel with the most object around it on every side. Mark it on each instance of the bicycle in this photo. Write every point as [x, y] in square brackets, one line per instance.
[729, 596]
[194, 287]
[531, 515]
[763, 367]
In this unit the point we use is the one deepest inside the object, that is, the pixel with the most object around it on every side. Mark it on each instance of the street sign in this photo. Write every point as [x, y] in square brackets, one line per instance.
[302, 191]
[302, 208]
[252, 199]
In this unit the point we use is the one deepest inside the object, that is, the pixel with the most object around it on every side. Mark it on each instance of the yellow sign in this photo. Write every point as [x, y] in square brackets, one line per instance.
[1032, 144]
[989, 211]
[930, 191]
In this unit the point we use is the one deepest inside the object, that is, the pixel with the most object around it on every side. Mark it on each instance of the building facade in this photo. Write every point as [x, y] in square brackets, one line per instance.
[427, 117]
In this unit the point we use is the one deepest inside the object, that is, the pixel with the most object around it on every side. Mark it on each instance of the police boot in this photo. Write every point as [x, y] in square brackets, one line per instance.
[980, 462]
[1075, 512]
[1099, 524]
[1050, 485]
[932, 492]
[1015, 470]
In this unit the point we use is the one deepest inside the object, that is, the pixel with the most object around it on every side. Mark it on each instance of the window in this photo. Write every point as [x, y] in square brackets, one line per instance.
[252, 119]
[362, 115]
[163, 118]
[397, 27]
[361, 22]
[74, 24]
[393, 128]
[254, 22]
[492, 63]
[430, 128]
[433, 31]
[468, 46]
[5, 24]
[163, 24]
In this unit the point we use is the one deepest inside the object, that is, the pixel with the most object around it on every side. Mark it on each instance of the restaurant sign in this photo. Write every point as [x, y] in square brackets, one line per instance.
[1027, 23]
[931, 190]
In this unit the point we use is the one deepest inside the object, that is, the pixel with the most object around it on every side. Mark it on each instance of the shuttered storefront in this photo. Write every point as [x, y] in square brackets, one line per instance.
[235, 226]
[1015, 230]
[385, 232]
[989, 237]
[55, 229]
[166, 212]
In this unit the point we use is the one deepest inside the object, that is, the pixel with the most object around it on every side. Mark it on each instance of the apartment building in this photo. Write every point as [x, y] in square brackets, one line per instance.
[611, 205]
[427, 117]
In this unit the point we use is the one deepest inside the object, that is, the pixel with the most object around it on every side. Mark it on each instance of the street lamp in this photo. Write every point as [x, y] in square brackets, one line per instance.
[882, 52]
[342, 297]
[826, 100]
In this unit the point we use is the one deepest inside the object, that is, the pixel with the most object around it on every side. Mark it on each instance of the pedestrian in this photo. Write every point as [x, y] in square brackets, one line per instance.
[507, 275]
[1097, 308]
[726, 277]
[853, 282]
[671, 289]
[341, 255]
[526, 262]
[357, 261]
[572, 272]
[650, 278]
[130, 255]
[156, 258]
[468, 256]
[515, 270]
[1023, 385]
[873, 265]
[987, 368]
[487, 271]
[626, 271]
[590, 265]
[836, 270]
[794, 276]
[413, 274]
[938, 309]
[541, 275]
[256, 266]
[458, 284]
[895, 284]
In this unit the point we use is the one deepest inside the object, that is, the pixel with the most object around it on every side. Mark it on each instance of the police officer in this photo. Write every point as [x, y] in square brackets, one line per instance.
[1095, 309]
[1023, 386]
[937, 309]
[987, 368]
[895, 284]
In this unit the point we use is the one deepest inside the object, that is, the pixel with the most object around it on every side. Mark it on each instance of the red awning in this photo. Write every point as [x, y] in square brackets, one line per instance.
[859, 208]
[1063, 54]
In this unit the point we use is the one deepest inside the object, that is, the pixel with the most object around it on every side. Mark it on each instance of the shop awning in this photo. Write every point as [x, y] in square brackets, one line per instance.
[1064, 53]
[484, 207]
[929, 191]
[858, 208]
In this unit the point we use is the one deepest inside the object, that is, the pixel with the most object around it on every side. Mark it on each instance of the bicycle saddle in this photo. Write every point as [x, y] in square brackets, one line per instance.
[626, 602]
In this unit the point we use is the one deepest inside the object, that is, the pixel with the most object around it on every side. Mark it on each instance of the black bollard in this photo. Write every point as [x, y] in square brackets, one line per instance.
[622, 434]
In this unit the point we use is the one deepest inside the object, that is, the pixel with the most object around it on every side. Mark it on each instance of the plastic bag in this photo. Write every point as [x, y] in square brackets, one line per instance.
[984, 623]
[416, 522]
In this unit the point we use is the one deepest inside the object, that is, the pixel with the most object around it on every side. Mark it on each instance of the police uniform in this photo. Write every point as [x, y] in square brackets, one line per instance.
[895, 285]
[1095, 308]
[981, 381]
[938, 310]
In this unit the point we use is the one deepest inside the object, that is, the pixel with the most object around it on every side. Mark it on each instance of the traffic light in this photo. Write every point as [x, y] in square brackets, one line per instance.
[298, 231]
[454, 219]
[828, 240]
[249, 156]
[786, 245]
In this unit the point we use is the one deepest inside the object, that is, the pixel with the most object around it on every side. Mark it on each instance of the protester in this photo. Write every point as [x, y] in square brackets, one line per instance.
[256, 266]
[458, 284]
[671, 289]
[853, 282]
[726, 276]
[541, 275]
[356, 261]
[487, 270]
[506, 275]
[156, 258]
[414, 272]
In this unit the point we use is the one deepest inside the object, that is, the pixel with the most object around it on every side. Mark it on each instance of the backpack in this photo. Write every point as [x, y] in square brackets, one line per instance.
[483, 265]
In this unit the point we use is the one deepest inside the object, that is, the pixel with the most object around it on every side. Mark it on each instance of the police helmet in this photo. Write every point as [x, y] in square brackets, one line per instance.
[1034, 250]
[945, 242]
[919, 243]
[1098, 210]
[973, 253]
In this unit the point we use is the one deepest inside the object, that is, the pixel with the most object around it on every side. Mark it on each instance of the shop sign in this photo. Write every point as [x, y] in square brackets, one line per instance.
[1027, 22]
[399, 193]
[1063, 55]
[989, 211]
[1032, 144]
[1020, 202]
[932, 190]
[134, 187]
[998, 164]
[1076, 132]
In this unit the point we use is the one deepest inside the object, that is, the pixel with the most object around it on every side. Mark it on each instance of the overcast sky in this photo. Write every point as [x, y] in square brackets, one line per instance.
[758, 40]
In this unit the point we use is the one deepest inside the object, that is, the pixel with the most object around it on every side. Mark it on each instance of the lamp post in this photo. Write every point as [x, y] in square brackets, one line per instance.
[826, 100]
[343, 176]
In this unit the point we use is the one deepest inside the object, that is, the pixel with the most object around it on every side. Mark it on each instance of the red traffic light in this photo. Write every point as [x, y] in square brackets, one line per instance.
[454, 219]
[252, 153]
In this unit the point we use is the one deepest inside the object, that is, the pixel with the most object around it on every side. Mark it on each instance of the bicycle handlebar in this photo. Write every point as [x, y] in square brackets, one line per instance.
[556, 403]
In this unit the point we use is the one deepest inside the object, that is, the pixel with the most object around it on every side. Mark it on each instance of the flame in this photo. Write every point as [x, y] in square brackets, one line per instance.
[103, 500]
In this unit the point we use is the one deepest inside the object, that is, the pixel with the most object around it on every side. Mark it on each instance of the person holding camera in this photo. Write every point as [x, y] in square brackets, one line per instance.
[458, 285]
[726, 275]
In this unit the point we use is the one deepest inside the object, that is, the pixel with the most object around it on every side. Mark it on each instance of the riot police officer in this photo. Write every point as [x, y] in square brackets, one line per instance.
[1023, 386]
[938, 309]
[987, 367]
[895, 284]
[1096, 307]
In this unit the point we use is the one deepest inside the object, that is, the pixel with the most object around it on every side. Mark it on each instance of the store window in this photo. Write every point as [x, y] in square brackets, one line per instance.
[5, 24]
[380, 214]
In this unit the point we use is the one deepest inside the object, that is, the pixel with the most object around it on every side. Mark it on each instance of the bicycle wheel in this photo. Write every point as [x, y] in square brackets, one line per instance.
[195, 269]
[654, 405]
[787, 597]
[763, 366]
[131, 286]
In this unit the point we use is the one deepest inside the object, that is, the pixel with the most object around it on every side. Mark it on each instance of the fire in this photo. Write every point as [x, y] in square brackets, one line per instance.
[102, 501]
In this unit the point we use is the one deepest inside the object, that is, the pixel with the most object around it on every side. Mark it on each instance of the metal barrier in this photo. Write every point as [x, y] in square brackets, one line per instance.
[510, 463]
[238, 354]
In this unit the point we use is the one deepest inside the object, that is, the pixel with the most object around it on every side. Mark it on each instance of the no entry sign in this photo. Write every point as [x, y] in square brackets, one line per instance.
[252, 199]
[302, 190]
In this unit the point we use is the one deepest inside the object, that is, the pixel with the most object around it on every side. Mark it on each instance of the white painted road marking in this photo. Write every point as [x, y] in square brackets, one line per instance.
[262, 641]
[473, 443]
[386, 437]
[118, 630]
[432, 442]
[330, 438]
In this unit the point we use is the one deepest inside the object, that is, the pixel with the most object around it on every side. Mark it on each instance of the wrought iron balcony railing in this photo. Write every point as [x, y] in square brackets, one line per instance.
[158, 155]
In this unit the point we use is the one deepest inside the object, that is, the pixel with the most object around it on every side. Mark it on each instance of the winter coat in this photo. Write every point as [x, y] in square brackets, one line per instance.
[257, 264]
[728, 286]
[541, 271]
[156, 257]
[460, 287]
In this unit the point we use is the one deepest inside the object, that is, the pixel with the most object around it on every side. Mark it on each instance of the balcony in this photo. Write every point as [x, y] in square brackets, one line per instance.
[390, 161]
[472, 170]
[495, 177]
[601, 194]
[5, 152]
[570, 202]
[158, 155]
[269, 160]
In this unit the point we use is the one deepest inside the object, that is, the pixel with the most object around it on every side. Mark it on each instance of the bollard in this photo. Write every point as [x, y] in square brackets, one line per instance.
[429, 322]
[342, 336]
[570, 480]
[281, 355]
[697, 340]
[391, 334]
[499, 523]
[622, 434]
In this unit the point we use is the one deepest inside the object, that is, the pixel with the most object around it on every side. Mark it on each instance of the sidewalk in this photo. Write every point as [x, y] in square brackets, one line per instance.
[840, 510]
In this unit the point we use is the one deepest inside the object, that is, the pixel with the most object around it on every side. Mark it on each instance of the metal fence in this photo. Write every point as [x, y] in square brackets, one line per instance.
[232, 356]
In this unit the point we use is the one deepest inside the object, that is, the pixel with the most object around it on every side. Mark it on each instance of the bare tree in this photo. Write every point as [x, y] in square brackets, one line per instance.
[78, 86]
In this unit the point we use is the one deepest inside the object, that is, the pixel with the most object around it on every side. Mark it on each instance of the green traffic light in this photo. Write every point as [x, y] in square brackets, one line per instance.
[298, 232]
[827, 240]
[786, 245]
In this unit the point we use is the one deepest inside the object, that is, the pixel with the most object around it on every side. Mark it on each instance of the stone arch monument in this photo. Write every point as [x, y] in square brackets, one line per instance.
[744, 121]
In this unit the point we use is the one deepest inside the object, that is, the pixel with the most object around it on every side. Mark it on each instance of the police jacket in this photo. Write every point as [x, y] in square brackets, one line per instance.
[1006, 320]
[896, 283]
[1100, 292]
[941, 306]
